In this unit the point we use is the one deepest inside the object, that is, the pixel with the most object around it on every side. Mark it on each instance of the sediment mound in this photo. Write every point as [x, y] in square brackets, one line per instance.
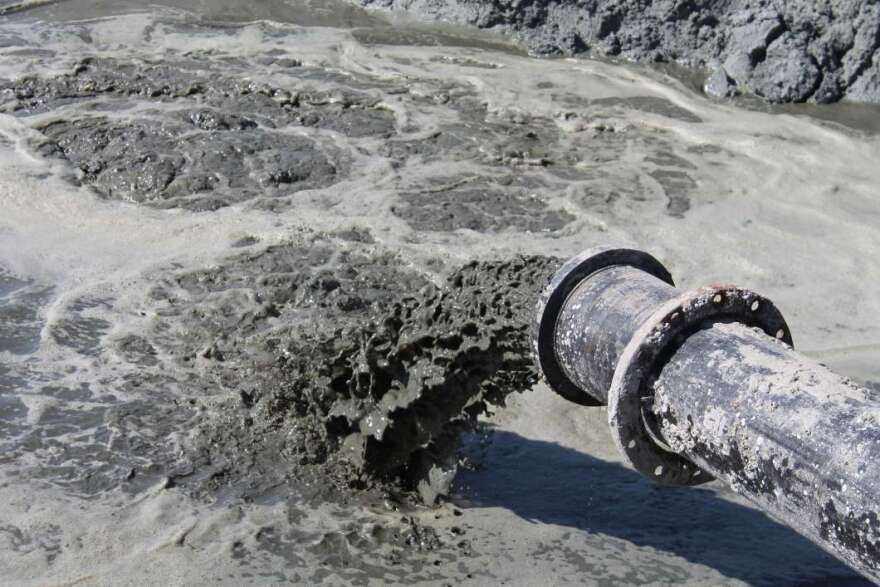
[782, 51]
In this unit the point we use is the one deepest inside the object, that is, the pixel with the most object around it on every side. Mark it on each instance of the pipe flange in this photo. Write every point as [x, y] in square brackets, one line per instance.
[552, 300]
[643, 357]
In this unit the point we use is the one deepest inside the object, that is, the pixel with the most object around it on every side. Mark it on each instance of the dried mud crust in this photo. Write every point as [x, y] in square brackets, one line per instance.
[359, 374]
[784, 51]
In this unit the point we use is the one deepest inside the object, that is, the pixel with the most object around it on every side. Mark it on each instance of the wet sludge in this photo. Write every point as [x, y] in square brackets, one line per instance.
[320, 373]
[376, 394]
[309, 387]
[209, 141]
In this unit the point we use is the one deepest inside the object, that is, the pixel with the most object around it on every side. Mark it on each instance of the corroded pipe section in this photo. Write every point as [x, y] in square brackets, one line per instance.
[704, 384]
[578, 354]
[801, 442]
[600, 319]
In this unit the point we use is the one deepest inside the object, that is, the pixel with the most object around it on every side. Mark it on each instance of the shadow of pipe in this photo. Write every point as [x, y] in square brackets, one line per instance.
[546, 483]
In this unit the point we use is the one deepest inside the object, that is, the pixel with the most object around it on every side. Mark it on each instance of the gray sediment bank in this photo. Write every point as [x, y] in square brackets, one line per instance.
[782, 51]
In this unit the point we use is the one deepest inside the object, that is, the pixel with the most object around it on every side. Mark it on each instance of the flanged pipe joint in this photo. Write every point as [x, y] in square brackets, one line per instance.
[706, 384]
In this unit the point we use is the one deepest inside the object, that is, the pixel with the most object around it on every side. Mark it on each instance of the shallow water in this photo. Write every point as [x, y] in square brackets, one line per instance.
[142, 278]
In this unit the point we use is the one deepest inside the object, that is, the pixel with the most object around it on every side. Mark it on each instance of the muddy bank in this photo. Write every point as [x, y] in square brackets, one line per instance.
[781, 51]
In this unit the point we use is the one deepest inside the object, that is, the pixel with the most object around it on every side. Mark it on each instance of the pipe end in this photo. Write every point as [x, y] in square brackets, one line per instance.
[552, 300]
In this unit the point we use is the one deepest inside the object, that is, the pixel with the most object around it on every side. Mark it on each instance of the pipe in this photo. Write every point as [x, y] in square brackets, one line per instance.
[705, 384]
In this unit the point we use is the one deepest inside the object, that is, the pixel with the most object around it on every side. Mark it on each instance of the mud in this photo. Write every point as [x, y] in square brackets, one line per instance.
[316, 373]
[145, 162]
[199, 132]
[321, 13]
[376, 397]
[20, 301]
[235, 348]
[190, 76]
[480, 206]
[781, 51]
[209, 143]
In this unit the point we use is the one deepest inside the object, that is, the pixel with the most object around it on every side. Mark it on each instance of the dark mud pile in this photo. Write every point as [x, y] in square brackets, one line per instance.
[190, 134]
[334, 365]
[209, 141]
[783, 51]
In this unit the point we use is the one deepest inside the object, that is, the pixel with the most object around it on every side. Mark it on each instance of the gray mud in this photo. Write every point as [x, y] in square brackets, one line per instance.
[782, 51]
[376, 397]
[199, 131]
[241, 339]
[210, 142]
[183, 135]
[318, 372]
[317, 13]
[481, 206]
[19, 323]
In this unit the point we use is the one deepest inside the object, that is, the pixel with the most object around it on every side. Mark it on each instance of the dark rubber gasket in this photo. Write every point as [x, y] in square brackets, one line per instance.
[640, 360]
[553, 298]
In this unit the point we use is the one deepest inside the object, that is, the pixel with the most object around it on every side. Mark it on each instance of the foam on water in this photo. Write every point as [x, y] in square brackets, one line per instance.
[490, 154]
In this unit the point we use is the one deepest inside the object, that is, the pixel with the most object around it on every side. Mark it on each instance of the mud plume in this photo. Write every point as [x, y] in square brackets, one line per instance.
[378, 400]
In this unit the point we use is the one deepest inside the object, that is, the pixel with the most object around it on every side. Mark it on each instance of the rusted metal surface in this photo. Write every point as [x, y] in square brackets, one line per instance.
[705, 384]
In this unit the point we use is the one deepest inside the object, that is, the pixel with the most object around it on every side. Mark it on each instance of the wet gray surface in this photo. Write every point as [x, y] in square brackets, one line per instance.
[322, 13]
[255, 309]
[20, 302]
[227, 142]
[375, 395]
[612, 500]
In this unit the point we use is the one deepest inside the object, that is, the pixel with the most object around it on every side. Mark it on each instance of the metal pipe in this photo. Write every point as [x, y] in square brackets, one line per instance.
[705, 384]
